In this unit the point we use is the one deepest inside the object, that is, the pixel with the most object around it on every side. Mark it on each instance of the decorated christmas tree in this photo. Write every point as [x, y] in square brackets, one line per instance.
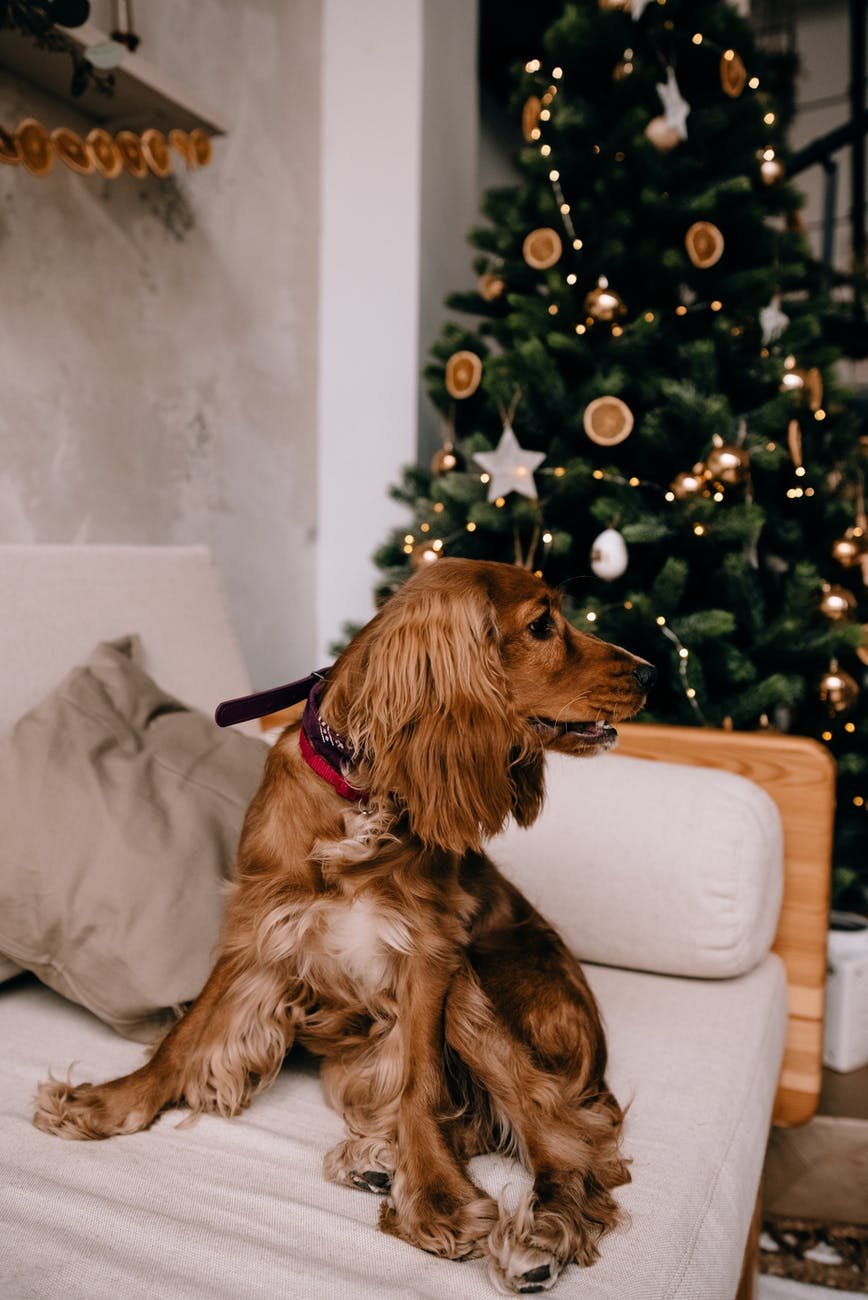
[639, 401]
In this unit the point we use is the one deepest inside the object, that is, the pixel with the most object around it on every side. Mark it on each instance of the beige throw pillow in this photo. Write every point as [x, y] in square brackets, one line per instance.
[120, 812]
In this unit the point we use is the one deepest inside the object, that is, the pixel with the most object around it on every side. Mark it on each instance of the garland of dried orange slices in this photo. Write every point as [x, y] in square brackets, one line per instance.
[139, 155]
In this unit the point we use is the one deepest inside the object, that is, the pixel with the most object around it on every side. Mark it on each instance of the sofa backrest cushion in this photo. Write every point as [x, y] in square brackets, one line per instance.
[57, 602]
[652, 866]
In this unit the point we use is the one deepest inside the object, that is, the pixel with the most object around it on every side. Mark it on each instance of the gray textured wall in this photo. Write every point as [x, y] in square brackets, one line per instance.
[158, 339]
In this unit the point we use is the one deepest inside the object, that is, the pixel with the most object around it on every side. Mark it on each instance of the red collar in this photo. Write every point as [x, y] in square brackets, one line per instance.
[325, 750]
[323, 768]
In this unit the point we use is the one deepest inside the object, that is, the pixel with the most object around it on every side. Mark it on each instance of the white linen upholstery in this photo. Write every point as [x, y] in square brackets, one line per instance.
[678, 865]
[652, 866]
[239, 1208]
[59, 601]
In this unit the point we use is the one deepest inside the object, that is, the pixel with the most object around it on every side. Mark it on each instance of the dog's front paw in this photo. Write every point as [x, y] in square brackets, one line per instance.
[441, 1222]
[367, 1163]
[520, 1261]
[89, 1111]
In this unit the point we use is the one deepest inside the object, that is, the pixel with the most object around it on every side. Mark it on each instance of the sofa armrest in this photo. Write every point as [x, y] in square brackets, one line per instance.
[652, 866]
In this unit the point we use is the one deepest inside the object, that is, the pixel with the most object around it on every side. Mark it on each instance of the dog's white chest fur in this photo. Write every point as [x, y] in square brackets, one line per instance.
[362, 940]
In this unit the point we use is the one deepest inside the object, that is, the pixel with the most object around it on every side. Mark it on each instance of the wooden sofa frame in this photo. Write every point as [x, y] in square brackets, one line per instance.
[799, 774]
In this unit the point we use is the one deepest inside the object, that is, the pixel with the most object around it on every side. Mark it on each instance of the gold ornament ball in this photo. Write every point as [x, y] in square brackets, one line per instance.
[727, 464]
[837, 602]
[662, 134]
[849, 549]
[603, 303]
[838, 689]
[423, 554]
[490, 286]
[687, 484]
[447, 459]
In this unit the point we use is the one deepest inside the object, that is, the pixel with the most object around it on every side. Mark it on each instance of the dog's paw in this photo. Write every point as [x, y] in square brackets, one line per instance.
[361, 1162]
[372, 1180]
[519, 1263]
[86, 1111]
[441, 1224]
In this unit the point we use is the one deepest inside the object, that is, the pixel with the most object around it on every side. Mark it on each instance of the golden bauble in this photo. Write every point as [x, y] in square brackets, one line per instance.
[838, 689]
[603, 303]
[662, 134]
[687, 484]
[490, 286]
[849, 549]
[425, 553]
[837, 602]
[727, 464]
[447, 459]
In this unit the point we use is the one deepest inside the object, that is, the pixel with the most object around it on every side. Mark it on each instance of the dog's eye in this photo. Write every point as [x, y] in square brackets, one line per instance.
[542, 628]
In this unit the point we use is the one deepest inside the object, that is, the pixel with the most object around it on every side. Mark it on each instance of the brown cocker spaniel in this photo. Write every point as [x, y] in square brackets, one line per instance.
[366, 923]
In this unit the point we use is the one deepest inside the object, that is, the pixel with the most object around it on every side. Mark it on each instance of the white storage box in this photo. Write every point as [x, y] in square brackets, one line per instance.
[846, 1033]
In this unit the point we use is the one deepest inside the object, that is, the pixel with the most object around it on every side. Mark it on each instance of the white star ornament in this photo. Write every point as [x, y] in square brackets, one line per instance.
[675, 106]
[510, 466]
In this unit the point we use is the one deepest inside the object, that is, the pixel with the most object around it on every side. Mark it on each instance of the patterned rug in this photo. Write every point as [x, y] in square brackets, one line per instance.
[834, 1255]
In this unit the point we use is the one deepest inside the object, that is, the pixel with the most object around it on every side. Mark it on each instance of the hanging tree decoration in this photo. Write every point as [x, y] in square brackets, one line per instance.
[773, 321]
[463, 374]
[733, 74]
[609, 557]
[675, 106]
[838, 690]
[448, 459]
[607, 420]
[603, 303]
[542, 248]
[704, 243]
[728, 463]
[511, 467]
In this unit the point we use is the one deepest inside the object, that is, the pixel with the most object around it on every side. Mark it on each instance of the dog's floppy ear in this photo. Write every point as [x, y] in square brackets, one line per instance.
[430, 715]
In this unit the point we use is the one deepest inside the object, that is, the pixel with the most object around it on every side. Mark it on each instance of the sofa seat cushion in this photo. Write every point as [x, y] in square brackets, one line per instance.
[239, 1207]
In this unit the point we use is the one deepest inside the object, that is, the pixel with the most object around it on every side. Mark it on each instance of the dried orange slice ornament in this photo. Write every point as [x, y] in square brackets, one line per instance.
[530, 117]
[35, 147]
[105, 153]
[733, 74]
[71, 149]
[180, 140]
[132, 154]
[608, 421]
[156, 152]
[463, 374]
[201, 143]
[704, 244]
[10, 151]
[542, 248]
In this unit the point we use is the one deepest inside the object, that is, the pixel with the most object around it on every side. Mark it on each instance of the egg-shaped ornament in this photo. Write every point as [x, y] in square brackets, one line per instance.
[662, 134]
[609, 556]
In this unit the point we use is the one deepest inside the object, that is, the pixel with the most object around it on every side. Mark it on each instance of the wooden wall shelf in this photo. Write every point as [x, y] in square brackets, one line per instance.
[144, 96]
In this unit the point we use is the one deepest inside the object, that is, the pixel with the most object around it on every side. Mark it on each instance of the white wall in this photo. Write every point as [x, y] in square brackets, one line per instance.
[398, 191]
[158, 340]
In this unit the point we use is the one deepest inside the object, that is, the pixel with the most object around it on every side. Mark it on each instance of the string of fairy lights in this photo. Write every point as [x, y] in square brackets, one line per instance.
[603, 307]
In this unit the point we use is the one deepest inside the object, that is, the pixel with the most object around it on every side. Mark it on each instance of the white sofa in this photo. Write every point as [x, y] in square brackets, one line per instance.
[645, 867]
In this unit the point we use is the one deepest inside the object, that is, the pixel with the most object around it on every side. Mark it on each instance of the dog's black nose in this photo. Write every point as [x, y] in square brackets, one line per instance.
[646, 676]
